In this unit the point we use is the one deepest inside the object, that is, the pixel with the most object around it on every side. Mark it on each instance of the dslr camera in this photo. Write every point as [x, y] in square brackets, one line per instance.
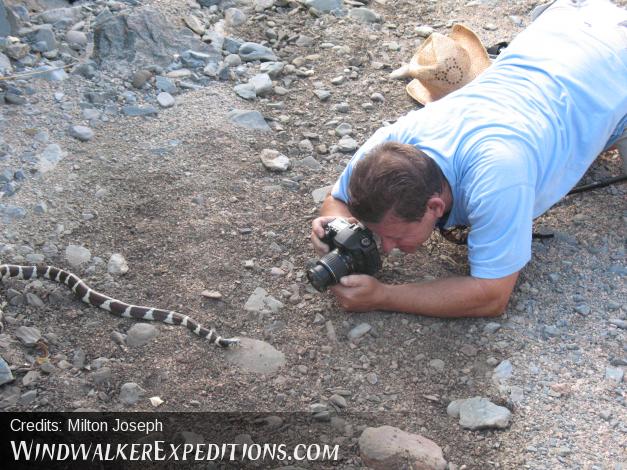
[353, 250]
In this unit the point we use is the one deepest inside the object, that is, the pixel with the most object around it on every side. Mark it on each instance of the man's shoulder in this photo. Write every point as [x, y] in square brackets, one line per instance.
[497, 164]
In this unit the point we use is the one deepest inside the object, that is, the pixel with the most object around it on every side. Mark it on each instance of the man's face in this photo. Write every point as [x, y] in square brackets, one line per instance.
[394, 232]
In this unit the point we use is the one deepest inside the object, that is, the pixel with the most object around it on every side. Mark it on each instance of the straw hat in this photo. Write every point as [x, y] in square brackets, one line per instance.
[443, 64]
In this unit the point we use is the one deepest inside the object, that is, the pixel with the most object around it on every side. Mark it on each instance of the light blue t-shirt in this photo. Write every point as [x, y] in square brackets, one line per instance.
[515, 140]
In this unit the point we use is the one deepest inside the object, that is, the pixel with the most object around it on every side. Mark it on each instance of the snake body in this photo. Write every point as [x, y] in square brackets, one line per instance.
[114, 306]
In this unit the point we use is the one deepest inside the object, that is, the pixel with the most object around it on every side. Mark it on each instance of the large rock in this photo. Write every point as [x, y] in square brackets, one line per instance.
[387, 447]
[8, 21]
[143, 36]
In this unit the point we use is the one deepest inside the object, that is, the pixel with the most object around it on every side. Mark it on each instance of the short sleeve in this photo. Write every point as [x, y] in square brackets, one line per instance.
[499, 243]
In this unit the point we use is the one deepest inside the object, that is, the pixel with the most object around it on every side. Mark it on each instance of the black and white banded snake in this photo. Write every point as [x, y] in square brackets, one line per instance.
[114, 306]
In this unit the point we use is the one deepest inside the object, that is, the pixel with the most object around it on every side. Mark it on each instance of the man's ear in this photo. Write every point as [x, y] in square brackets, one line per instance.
[437, 206]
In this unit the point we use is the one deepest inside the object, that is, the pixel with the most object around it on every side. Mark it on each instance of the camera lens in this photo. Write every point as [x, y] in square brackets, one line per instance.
[329, 269]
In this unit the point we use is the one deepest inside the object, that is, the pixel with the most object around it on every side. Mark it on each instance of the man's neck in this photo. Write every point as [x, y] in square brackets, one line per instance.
[447, 197]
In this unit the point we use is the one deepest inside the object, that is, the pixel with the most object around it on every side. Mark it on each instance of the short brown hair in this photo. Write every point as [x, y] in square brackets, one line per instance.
[393, 176]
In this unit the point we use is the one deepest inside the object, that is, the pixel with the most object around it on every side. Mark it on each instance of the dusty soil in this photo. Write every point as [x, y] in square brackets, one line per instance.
[186, 200]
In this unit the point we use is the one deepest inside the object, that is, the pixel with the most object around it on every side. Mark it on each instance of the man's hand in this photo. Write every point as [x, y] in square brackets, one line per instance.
[359, 293]
[317, 232]
[331, 208]
[449, 297]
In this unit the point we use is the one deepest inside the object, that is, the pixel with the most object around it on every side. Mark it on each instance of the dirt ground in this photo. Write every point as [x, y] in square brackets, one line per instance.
[186, 200]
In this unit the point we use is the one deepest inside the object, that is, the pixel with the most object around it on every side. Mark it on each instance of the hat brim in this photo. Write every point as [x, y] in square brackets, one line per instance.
[419, 92]
[479, 58]
[479, 61]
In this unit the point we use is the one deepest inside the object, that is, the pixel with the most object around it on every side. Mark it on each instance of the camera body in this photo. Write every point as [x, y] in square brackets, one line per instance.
[353, 250]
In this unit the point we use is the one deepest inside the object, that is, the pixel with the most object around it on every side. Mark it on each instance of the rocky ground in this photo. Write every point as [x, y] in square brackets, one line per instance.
[173, 154]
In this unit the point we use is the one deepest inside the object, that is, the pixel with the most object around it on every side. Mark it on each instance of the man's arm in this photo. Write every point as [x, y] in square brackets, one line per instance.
[450, 297]
[333, 206]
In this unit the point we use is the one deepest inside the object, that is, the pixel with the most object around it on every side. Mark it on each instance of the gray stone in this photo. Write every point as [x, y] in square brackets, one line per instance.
[79, 358]
[582, 309]
[256, 356]
[130, 393]
[232, 45]
[503, 371]
[311, 163]
[77, 255]
[347, 144]
[140, 334]
[273, 69]
[424, 31]
[234, 17]
[359, 331]
[142, 36]
[262, 84]
[338, 400]
[481, 413]
[117, 265]
[453, 408]
[194, 24]
[101, 376]
[365, 15]
[233, 60]
[261, 5]
[76, 39]
[273, 160]
[28, 335]
[251, 51]
[67, 15]
[325, 6]
[45, 35]
[131, 110]
[491, 327]
[165, 99]
[28, 397]
[31, 378]
[246, 91]
[342, 107]
[343, 129]
[260, 302]
[305, 146]
[622, 324]
[193, 59]
[386, 447]
[49, 158]
[165, 84]
[10, 213]
[614, 374]
[323, 95]
[248, 119]
[6, 375]
[320, 194]
[34, 300]
[8, 21]
[5, 65]
[82, 133]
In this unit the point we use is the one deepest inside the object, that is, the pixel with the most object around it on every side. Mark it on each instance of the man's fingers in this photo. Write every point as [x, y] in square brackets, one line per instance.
[352, 280]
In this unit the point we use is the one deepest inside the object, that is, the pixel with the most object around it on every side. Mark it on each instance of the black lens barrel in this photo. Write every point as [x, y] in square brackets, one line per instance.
[329, 269]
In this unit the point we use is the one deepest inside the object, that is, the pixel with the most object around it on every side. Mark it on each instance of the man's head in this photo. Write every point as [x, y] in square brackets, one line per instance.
[399, 193]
